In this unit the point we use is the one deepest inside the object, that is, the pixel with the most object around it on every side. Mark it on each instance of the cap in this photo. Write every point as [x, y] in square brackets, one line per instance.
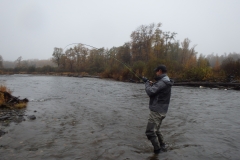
[161, 67]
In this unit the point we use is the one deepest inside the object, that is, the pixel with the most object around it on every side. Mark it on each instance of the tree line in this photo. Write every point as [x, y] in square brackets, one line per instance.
[148, 47]
[26, 66]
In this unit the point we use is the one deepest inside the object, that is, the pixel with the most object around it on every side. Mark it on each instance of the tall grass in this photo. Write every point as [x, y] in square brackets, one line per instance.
[5, 89]
[3, 101]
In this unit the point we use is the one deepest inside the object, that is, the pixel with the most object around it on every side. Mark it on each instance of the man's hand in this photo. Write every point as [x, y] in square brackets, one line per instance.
[144, 79]
[151, 83]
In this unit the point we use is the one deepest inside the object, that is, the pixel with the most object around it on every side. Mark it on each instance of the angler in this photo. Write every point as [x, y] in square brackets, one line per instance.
[159, 94]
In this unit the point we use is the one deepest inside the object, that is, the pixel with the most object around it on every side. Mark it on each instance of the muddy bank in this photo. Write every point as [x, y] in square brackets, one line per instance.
[85, 118]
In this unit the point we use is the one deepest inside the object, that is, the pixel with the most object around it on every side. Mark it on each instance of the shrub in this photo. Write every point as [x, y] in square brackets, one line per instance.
[5, 89]
[2, 90]
[198, 74]
[7, 100]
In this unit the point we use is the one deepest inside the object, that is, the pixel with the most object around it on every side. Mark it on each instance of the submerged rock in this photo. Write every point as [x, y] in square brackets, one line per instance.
[32, 117]
[4, 118]
[2, 133]
[9, 115]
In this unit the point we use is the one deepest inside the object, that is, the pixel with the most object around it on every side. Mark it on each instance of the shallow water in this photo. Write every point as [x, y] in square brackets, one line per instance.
[88, 118]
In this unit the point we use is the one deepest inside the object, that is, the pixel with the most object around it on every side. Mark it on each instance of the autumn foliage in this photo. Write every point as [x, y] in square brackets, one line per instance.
[149, 47]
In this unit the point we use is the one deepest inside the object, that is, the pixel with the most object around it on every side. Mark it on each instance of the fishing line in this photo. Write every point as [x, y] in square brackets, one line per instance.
[81, 44]
[107, 54]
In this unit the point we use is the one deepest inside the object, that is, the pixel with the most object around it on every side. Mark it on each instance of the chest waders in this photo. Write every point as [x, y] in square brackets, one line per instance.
[153, 131]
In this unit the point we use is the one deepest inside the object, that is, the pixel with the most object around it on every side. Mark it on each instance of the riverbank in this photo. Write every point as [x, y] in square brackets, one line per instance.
[67, 74]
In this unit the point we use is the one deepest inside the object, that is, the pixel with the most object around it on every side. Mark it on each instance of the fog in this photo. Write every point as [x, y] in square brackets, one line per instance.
[32, 29]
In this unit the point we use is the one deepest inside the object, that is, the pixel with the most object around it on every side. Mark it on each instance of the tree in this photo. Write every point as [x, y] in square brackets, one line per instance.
[188, 55]
[81, 57]
[18, 62]
[71, 59]
[57, 53]
[124, 53]
[228, 65]
[202, 61]
[168, 37]
[217, 65]
[63, 61]
[96, 61]
[141, 43]
[1, 62]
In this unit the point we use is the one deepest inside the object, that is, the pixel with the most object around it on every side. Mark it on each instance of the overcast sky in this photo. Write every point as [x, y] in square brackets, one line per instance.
[32, 28]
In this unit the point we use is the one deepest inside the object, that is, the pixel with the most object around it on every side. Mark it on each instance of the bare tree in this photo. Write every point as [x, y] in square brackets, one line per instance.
[1, 62]
[18, 61]
[57, 53]
[71, 59]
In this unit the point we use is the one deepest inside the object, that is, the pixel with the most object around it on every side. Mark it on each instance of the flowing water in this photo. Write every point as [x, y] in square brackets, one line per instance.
[88, 118]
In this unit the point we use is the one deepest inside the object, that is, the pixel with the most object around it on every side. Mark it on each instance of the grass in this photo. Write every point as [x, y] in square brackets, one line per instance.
[20, 105]
[5, 89]
[3, 102]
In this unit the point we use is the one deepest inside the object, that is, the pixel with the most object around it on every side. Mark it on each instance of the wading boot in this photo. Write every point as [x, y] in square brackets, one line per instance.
[150, 133]
[156, 146]
[161, 142]
[163, 147]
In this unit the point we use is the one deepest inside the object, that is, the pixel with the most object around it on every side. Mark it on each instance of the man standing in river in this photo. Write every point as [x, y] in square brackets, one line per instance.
[159, 93]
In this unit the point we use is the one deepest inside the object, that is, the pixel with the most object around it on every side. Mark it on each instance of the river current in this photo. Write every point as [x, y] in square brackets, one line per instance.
[91, 119]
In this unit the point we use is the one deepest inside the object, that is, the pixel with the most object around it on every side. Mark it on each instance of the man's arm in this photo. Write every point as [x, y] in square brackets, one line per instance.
[154, 88]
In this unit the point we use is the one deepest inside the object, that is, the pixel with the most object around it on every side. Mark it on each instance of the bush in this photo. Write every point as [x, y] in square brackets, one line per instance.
[198, 74]
[47, 69]
[7, 100]
[5, 89]
[2, 90]
[31, 69]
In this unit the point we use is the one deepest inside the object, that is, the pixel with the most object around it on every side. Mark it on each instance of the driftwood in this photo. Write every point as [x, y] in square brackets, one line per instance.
[228, 85]
[11, 101]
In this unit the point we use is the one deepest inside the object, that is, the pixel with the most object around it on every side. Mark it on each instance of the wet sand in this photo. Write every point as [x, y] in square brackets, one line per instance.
[85, 118]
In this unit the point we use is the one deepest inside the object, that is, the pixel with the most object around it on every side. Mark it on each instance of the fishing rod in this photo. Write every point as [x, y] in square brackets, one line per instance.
[107, 54]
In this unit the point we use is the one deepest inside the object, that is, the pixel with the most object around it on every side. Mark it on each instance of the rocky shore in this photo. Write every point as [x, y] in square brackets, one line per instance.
[10, 115]
[12, 109]
[16, 116]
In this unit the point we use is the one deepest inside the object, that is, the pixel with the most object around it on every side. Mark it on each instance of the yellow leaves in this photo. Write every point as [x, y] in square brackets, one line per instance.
[191, 62]
[198, 74]
[217, 65]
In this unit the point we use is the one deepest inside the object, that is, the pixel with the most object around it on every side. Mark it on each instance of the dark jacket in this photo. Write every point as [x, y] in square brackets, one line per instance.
[159, 93]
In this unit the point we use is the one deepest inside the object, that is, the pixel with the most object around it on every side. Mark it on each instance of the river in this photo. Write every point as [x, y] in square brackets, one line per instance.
[91, 119]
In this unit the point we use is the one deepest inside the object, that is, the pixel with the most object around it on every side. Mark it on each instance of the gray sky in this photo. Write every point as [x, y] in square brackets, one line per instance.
[32, 28]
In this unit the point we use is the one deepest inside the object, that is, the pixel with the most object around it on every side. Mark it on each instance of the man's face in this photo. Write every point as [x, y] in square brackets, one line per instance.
[159, 72]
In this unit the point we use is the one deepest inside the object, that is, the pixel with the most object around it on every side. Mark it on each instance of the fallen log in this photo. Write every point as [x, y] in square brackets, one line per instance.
[235, 86]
